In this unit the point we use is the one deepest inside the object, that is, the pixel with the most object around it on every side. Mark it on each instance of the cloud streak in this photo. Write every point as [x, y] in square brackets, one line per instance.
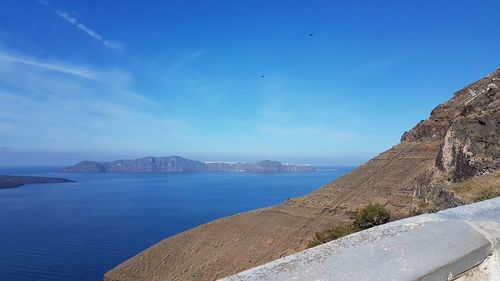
[84, 28]
[81, 26]
[58, 67]
[110, 44]
[49, 106]
[42, 2]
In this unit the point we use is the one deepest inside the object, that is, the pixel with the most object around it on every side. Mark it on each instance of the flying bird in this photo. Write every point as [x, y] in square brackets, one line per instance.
[311, 34]
[262, 76]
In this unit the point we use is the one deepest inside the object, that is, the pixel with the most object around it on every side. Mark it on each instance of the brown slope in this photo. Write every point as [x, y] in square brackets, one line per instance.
[423, 168]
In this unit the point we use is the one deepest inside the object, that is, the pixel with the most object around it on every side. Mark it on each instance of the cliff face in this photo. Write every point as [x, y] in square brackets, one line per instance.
[467, 127]
[178, 164]
[458, 145]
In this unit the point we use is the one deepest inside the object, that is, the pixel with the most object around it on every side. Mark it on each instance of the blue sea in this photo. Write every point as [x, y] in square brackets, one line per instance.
[78, 231]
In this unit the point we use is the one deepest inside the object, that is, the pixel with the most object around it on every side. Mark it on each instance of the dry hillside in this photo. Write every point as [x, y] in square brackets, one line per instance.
[450, 159]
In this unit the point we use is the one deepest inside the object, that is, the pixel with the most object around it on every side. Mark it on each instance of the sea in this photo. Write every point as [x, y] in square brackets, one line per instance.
[80, 230]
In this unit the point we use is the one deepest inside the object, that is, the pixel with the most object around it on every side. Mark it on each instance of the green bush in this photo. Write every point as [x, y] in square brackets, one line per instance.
[371, 216]
[332, 234]
[366, 217]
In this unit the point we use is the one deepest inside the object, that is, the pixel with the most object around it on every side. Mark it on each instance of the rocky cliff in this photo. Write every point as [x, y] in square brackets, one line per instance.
[178, 164]
[447, 160]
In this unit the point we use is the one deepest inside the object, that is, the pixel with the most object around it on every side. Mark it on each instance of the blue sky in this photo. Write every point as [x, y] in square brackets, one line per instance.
[116, 79]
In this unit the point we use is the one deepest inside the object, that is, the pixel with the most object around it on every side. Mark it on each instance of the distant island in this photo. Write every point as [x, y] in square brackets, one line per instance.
[16, 181]
[177, 164]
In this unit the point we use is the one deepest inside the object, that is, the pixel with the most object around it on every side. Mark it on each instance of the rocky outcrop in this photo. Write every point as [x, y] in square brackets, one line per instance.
[467, 129]
[16, 181]
[458, 143]
[471, 145]
[176, 164]
[468, 126]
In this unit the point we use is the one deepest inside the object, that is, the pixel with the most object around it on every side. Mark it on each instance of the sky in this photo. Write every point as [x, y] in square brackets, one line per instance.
[322, 82]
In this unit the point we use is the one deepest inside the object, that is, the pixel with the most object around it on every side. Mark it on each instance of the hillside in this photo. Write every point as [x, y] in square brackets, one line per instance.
[447, 160]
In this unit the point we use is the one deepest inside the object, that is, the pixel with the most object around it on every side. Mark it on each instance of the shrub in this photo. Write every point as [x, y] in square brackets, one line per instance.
[332, 234]
[366, 217]
[371, 216]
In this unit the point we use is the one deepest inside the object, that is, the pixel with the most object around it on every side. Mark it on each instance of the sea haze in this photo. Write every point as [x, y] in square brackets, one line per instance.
[78, 231]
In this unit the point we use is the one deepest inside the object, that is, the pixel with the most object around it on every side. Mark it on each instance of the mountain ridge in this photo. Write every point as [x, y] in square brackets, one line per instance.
[177, 164]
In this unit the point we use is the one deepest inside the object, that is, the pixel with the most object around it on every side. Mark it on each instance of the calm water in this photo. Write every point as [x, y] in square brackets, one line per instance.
[78, 231]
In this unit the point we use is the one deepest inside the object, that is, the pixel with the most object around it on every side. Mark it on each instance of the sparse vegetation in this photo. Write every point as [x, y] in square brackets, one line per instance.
[332, 234]
[422, 204]
[480, 188]
[369, 216]
[422, 207]
[416, 212]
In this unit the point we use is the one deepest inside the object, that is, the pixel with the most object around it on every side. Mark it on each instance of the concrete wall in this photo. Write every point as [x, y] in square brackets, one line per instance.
[458, 243]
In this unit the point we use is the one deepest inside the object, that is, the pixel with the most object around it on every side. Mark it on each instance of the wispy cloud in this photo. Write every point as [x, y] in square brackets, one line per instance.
[58, 67]
[193, 55]
[375, 65]
[308, 132]
[42, 2]
[81, 26]
[48, 106]
[84, 28]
